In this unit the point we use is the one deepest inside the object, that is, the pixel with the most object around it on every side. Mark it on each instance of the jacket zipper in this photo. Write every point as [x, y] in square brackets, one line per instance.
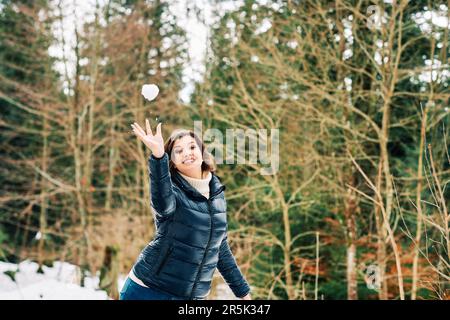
[206, 250]
[164, 260]
[217, 192]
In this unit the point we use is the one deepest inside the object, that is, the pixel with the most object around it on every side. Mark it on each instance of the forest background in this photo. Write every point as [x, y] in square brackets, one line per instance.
[358, 90]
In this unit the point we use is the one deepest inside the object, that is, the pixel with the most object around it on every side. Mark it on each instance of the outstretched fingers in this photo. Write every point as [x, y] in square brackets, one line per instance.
[158, 129]
[149, 129]
[135, 131]
[139, 129]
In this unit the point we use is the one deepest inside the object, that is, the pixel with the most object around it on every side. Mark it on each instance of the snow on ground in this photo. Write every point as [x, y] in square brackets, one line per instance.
[60, 282]
[56, 283]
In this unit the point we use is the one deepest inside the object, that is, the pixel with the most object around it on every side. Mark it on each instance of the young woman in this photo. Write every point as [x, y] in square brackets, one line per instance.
[191, 225]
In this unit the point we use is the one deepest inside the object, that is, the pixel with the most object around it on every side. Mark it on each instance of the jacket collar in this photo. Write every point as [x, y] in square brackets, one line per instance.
[215, 187]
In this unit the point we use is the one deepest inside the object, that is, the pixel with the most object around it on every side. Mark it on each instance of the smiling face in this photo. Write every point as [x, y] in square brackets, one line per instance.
[187, 156]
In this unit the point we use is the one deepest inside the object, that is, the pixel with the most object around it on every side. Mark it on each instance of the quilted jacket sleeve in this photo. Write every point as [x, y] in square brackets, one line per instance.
[230, 271]
[162, 199]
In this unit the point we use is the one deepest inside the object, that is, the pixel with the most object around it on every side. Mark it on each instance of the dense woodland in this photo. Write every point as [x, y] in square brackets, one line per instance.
[359, 208]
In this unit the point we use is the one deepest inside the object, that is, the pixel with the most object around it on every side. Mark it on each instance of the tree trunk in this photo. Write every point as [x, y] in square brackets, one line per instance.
[350, 211]
[287, 243]
[112, 162]
[419, 207]
[44, 199]
[109, 272]
[381, 245]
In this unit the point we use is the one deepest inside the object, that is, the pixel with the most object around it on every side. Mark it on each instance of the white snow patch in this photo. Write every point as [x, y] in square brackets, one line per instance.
[59, 282]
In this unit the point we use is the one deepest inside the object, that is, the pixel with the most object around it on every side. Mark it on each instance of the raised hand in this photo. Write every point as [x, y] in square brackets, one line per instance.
[154, 142]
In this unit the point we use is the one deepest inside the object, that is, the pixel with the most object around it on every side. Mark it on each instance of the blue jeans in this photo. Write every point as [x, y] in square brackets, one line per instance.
[133, 291]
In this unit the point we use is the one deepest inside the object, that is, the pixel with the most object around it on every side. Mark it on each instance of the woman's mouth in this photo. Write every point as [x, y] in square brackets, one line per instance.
[188, 161]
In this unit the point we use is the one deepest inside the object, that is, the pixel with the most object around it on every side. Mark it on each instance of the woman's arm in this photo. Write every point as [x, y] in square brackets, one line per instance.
[162, 196]
[230, 271]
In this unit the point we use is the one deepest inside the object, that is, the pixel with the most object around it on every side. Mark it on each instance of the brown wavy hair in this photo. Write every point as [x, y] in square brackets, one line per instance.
[208, 163]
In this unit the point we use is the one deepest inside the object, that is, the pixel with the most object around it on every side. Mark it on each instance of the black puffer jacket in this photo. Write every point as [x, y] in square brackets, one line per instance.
[191, 237]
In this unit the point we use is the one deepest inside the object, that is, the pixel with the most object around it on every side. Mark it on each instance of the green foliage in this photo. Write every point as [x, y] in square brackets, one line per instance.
[3, 240]
[11, 274]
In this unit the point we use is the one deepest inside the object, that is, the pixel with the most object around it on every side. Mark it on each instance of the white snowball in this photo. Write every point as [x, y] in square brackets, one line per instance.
[150, 91]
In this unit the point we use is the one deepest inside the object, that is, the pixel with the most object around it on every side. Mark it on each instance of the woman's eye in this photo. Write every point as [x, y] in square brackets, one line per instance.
[192, 147]
[178, 151]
